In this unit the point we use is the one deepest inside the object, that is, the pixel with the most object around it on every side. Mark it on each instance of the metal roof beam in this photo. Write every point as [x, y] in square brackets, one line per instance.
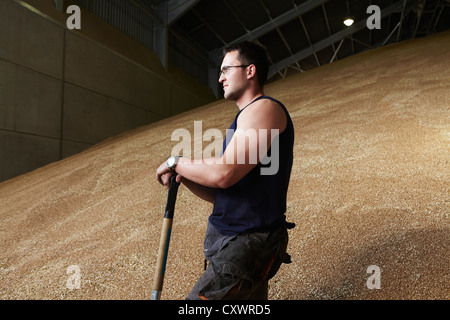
[279, 21]
[419, 15]
[397, 6]
[155, 17]
[309, 41]
[328, 26]
[166, 13]
[177, 8]
[59, 4]
[401, 21]
[207, 25]
[161, 35]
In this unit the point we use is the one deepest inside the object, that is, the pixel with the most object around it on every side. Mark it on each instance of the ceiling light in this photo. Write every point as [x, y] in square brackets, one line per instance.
[348, 22]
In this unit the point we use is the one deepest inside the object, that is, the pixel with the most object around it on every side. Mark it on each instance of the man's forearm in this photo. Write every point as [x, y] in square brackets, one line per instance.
[205, 193]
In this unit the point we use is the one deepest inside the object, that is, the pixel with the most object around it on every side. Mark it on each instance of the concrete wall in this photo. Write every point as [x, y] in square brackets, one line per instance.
[63, 91]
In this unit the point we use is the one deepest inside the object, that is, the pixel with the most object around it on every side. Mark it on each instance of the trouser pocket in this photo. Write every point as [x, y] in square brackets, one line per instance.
[221, 286]
[229, 285]
[280, 255]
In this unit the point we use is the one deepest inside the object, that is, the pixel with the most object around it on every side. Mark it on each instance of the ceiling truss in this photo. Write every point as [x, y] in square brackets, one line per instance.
[299, 34]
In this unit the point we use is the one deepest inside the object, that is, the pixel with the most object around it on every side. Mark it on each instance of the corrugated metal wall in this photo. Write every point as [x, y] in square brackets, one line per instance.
[125, 16]
[134, 21]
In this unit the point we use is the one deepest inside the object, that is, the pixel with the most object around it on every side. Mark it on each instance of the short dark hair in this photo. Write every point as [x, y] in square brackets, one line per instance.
[252, 53]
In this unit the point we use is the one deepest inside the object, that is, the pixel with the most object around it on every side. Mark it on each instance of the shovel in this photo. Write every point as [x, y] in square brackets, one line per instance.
[165, 239]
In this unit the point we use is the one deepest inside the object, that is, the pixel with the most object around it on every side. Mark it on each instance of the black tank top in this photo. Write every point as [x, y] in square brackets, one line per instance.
[257, 202]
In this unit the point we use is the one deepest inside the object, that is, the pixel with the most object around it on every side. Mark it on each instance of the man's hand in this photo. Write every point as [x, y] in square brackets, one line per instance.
[164, 173]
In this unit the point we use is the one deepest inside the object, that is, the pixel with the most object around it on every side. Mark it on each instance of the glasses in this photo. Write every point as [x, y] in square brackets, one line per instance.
[226, 68]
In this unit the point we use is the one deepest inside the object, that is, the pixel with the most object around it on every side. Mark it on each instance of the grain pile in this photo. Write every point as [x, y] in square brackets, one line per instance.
[369, 187]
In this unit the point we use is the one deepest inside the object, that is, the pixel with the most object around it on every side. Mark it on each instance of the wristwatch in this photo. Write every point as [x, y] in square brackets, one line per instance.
[172, 162]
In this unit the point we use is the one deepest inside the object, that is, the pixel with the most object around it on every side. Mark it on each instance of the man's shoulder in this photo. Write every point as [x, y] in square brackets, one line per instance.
[266, 112]
[264, 105]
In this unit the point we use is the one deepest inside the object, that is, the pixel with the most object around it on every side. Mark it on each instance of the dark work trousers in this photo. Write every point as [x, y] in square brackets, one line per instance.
[240, 266]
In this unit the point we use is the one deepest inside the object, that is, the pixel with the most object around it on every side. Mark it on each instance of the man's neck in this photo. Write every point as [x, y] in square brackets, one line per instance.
[248, 97]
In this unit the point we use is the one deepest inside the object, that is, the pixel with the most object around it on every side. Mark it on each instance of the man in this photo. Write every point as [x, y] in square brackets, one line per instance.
[246, 238]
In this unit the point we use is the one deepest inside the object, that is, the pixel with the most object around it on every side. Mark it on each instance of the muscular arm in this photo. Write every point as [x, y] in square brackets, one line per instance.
[205, 193]
[225, 171]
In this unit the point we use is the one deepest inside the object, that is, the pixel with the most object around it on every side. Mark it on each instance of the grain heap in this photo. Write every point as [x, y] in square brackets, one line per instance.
[369, 187]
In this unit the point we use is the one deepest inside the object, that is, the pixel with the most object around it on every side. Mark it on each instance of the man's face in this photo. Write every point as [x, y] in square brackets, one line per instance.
[233, 79]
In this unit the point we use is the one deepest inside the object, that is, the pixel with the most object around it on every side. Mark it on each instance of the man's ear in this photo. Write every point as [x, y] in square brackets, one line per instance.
[251, 71]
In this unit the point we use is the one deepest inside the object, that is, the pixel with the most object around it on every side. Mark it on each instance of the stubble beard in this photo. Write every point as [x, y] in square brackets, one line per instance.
[235, 94]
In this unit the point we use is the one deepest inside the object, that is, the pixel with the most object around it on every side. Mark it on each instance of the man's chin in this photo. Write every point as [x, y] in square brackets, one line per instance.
[233, 96]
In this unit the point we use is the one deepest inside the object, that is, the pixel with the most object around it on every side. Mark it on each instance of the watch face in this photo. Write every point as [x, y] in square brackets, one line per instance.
[171, 161]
